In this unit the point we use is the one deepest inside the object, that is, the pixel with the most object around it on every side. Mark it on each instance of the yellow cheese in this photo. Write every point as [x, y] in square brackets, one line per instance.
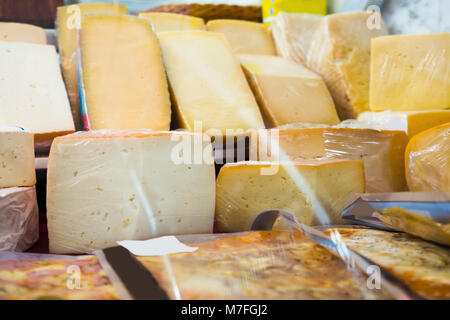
[288, 92]
[245, 36]
[427, 160]
[410, 72]
[164, 21]
[340, 53]
[67, 24]
[21, 32]
[208, 84]
[123, 75]
[314, 191]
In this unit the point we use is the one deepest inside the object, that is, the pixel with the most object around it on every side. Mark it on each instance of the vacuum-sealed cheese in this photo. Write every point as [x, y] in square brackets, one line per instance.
[165, 21]
[22, 32]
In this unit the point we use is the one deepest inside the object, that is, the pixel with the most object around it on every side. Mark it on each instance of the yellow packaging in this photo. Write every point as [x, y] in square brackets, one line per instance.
[270, 8]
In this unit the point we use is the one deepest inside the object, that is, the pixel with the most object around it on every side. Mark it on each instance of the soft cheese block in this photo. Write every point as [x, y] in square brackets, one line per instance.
[22, 32]
[287, 92]
[124, 84]
[314, 191]
[164, 21]
[340, 53]
[410, 72]
[208, 85]
[245, 36]
[427, 160]
[127, 185]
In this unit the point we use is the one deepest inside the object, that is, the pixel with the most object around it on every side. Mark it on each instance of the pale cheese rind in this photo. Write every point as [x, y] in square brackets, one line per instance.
[165, 21]
[22, 32]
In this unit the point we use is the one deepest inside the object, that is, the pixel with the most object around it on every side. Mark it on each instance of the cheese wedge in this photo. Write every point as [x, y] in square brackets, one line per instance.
[22, 32]
[244, 36]
[164, 21]
[288, 92]
[427, 160]
[104, 186]
[118, 92]
[410, 72]
[314, 191]
[208, 85]
[340, 53]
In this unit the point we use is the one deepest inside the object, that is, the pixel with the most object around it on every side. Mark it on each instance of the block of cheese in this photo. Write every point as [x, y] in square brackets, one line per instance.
[410, 72]
[32, 92]
[16, 158]
[287, 92]
[427, 160]
[164, 21]
[292, 34]
[67, 24]
[115, 185]
[412, 122]
[340, 53]
[208, 85]
[314, 191]
[124, 84]
[381, 151]
[22, 32]
[244, 36]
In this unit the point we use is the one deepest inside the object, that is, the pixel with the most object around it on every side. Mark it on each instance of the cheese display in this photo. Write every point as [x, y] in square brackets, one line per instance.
[119, 93]
[164, 21]
[22, 32]
[32, 92]
[340, 53]
[245, 36]
[314, 191]
[104, 186]
[209, 88]
[428, 160]
[288, 92]
[410, 72]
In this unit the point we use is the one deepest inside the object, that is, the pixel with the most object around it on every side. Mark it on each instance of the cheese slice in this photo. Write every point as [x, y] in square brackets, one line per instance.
[68, 20]
[119, 92]
[164, 21]
[288, 92]
[105, 186]
[22, 32]
[32, 92]
[410, 72]
[427, 160]
[245, 36]
[340, 53]
[314, 191]
[208, 85]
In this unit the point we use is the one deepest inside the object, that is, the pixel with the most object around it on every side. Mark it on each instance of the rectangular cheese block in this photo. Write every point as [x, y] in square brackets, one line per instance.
[124, 84]
[245, 36]
[287, 92]
[410, 72]
[106, 186]
[32, 92]
[209, 88]
[22, 32]
[314, 191]
[340, 53]
[165, 21]
[68, 20]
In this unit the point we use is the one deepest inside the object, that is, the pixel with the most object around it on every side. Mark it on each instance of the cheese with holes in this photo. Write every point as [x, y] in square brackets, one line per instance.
[164, 21]
[288, 92]
[245, 36]
[22, 32]
[410, 72]
[32, 92]
[340, 53]
[128, 185]
[208, 85]
[427, 160]
[314, 191]
[123, 77]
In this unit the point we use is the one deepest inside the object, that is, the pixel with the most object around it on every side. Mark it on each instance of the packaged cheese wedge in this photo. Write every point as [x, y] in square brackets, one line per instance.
[164, 21]
[124, 84]
[105, 186]
[22, 32]
[287, 92]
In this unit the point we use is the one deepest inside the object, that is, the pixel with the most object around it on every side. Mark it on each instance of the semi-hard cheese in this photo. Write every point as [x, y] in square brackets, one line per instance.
[314, 191]
[22, 32]
[410, 72]
[245, 36]
[108, 186]
[124, 84]
[427, 160]
[208, 85]
[287, 92]
[164, 21]
[340, 53]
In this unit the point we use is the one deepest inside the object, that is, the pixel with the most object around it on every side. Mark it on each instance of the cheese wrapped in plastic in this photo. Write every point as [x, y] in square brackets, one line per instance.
[165, 21]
